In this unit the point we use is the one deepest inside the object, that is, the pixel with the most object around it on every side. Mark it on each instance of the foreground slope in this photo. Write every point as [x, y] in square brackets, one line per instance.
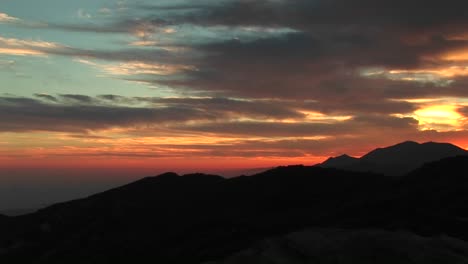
[368, 246]
[430, 200]
[3, 218]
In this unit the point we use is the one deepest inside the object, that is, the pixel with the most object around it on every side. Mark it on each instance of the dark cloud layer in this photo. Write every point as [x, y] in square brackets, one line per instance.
[79, 113]
[358, 125]
[330, 43]
[303, 13]
[333, 41]
[72, 112]
[24, 114]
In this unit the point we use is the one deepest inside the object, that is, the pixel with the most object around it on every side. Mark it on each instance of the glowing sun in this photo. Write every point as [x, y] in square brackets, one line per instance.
[440, 117]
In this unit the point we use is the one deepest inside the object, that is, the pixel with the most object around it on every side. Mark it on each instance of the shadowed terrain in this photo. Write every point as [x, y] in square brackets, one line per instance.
[327, 246]
[3, 218]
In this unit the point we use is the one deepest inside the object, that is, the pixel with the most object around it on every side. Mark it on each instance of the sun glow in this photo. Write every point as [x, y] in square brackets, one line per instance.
[461, 55]
[440, 117]
[446, 72]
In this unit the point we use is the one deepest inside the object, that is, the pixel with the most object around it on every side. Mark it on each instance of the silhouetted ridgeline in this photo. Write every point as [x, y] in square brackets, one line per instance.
[199, 218]
[16, 212]
[396, 160]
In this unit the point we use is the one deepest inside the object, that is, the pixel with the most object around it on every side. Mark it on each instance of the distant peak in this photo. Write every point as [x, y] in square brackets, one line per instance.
[409, 142]
[435, 143]
[168, 175]
[339, 161]
[341, 157]
[202, 176]
[397, 159]
[404, 144]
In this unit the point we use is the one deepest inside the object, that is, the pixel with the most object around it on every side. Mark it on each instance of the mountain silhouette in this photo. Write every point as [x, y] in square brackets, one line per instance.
[430, 200]
[396, 160]
[180, 219]
[340, 161]
[199, 218]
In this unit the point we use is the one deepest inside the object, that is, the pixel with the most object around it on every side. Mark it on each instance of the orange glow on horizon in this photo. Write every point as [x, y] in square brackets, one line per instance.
[98, 158]
[186, 165]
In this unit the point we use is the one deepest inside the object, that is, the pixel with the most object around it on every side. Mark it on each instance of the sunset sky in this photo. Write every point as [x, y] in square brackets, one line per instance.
[207, 85]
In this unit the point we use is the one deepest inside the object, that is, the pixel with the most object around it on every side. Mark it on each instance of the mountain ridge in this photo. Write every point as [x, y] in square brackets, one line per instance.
[195, 218]
[177, 218]
[396, 160]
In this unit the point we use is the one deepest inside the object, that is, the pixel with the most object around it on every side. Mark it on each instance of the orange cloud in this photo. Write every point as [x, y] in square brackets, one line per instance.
[440, 117]
[138, 67]
[447, 72]
[143, 43]
[19, 47]
[459, 55]
[5, 18]
[20, 52]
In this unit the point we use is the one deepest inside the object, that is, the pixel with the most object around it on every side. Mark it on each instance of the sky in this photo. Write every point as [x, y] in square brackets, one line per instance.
[134, 87]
